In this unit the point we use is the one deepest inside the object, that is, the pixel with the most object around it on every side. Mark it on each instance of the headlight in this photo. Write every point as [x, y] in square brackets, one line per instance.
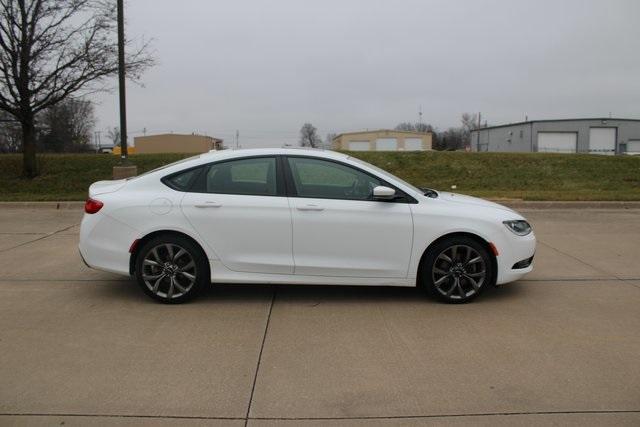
[519, 227]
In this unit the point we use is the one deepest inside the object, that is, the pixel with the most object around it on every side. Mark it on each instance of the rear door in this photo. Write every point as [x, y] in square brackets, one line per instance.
[338, 229]
[240, 210]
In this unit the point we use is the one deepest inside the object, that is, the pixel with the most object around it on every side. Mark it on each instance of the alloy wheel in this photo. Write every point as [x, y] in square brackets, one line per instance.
[459, 272]
[169, 271]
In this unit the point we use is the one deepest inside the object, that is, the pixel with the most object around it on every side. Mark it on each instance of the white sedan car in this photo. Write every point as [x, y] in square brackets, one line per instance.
[294, 216]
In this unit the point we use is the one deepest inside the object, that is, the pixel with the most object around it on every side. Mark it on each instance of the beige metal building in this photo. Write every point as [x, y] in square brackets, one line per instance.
[175, 143]
[383, 140]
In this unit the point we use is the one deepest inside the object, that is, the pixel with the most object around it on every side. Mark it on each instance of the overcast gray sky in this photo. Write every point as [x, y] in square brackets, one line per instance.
[266, 67]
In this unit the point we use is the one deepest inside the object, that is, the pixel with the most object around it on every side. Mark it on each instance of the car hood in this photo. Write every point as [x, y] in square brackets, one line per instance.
[473, 201]
[102, 187]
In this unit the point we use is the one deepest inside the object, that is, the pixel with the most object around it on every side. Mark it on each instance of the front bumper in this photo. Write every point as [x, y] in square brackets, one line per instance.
[513, 250]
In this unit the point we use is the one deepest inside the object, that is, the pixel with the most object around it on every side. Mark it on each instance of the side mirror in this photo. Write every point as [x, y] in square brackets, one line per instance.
[383, 193]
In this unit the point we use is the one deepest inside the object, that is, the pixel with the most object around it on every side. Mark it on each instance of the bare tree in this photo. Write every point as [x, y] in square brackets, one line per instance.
[309, 136]
[415, 127]
[469, 123]
[451, 139]
[114, 135]
[329, 139]
[406, 126]
[51, 50]
[68, 125]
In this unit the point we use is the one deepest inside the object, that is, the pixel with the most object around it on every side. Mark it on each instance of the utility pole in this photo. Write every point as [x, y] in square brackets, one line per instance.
[420, 116]
[124, 170]
[237, 139]
[121, 83]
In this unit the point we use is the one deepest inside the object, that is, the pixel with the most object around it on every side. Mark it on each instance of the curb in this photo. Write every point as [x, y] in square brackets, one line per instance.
[514, 204]
[43, 205]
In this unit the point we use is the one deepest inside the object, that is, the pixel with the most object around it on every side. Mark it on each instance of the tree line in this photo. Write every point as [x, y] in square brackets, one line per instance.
[51, 52]
[450, 139]
[65, 127]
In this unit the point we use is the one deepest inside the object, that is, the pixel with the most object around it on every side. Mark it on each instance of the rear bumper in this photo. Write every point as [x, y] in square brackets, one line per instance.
[104, 243]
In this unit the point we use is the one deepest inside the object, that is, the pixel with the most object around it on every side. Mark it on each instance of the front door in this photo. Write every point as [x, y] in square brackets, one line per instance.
[338, 229]
[242, 214]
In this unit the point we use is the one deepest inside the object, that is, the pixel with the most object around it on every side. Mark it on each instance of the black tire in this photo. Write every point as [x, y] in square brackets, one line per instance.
[439, 275]
[173, 279]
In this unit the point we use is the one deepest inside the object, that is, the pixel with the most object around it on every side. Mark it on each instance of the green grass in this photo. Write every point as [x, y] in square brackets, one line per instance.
[67, 176]
[527, 176]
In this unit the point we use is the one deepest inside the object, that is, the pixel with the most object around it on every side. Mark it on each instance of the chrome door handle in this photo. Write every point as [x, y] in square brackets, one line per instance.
[208, 205]
[310, 208]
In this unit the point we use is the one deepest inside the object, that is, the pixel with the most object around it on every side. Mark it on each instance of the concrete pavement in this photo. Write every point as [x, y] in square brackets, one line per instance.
[83, 347]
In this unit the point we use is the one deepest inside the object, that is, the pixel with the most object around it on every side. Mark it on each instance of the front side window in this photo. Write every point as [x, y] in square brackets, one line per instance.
[329, 180]
[256, 177]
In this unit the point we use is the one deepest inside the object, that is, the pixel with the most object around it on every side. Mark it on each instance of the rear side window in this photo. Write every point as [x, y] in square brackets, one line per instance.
[182, 181]
[255, 177]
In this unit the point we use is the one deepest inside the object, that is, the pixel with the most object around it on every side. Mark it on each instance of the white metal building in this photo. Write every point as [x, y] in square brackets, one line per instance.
[596, 136]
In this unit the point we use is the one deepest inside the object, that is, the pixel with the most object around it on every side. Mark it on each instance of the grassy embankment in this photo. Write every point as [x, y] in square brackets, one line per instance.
[527, 176]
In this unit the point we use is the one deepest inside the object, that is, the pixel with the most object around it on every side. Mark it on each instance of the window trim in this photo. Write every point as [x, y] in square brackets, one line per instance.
[197, 184]
[291, 191]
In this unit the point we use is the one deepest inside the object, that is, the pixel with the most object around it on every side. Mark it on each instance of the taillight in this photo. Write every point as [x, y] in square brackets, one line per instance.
[92, 206]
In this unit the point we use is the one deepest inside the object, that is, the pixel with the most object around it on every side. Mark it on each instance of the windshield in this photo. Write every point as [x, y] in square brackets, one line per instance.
[164, 167]
[388, 175]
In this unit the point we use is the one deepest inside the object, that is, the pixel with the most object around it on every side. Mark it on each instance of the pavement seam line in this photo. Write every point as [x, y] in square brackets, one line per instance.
[633, 284]
[381, 417]
[477, 414]
[40, 238]
[179, 417]
[612, 276]
[264, 339]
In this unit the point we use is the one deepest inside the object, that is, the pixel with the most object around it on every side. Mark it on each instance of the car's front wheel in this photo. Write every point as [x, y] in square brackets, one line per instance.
[171, 269]
[457, 269]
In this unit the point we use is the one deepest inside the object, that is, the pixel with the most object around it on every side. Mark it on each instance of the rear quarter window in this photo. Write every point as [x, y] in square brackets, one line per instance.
[182, 181]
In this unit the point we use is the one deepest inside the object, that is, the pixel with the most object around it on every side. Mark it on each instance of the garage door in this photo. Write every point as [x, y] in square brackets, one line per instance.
[413, 144]
[386, 144]
[557, 142]
[602, 141]
[633, 146]
[359, 145]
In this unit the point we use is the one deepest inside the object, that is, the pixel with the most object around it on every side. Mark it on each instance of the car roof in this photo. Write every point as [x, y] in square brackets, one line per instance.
[220, 155]
[246, 152]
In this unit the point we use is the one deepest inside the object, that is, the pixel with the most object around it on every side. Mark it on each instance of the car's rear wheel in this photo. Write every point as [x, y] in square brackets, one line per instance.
[171, 269]
[457, 269]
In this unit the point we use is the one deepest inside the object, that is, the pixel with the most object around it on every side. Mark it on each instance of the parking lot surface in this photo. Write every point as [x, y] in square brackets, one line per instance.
[83, 347]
